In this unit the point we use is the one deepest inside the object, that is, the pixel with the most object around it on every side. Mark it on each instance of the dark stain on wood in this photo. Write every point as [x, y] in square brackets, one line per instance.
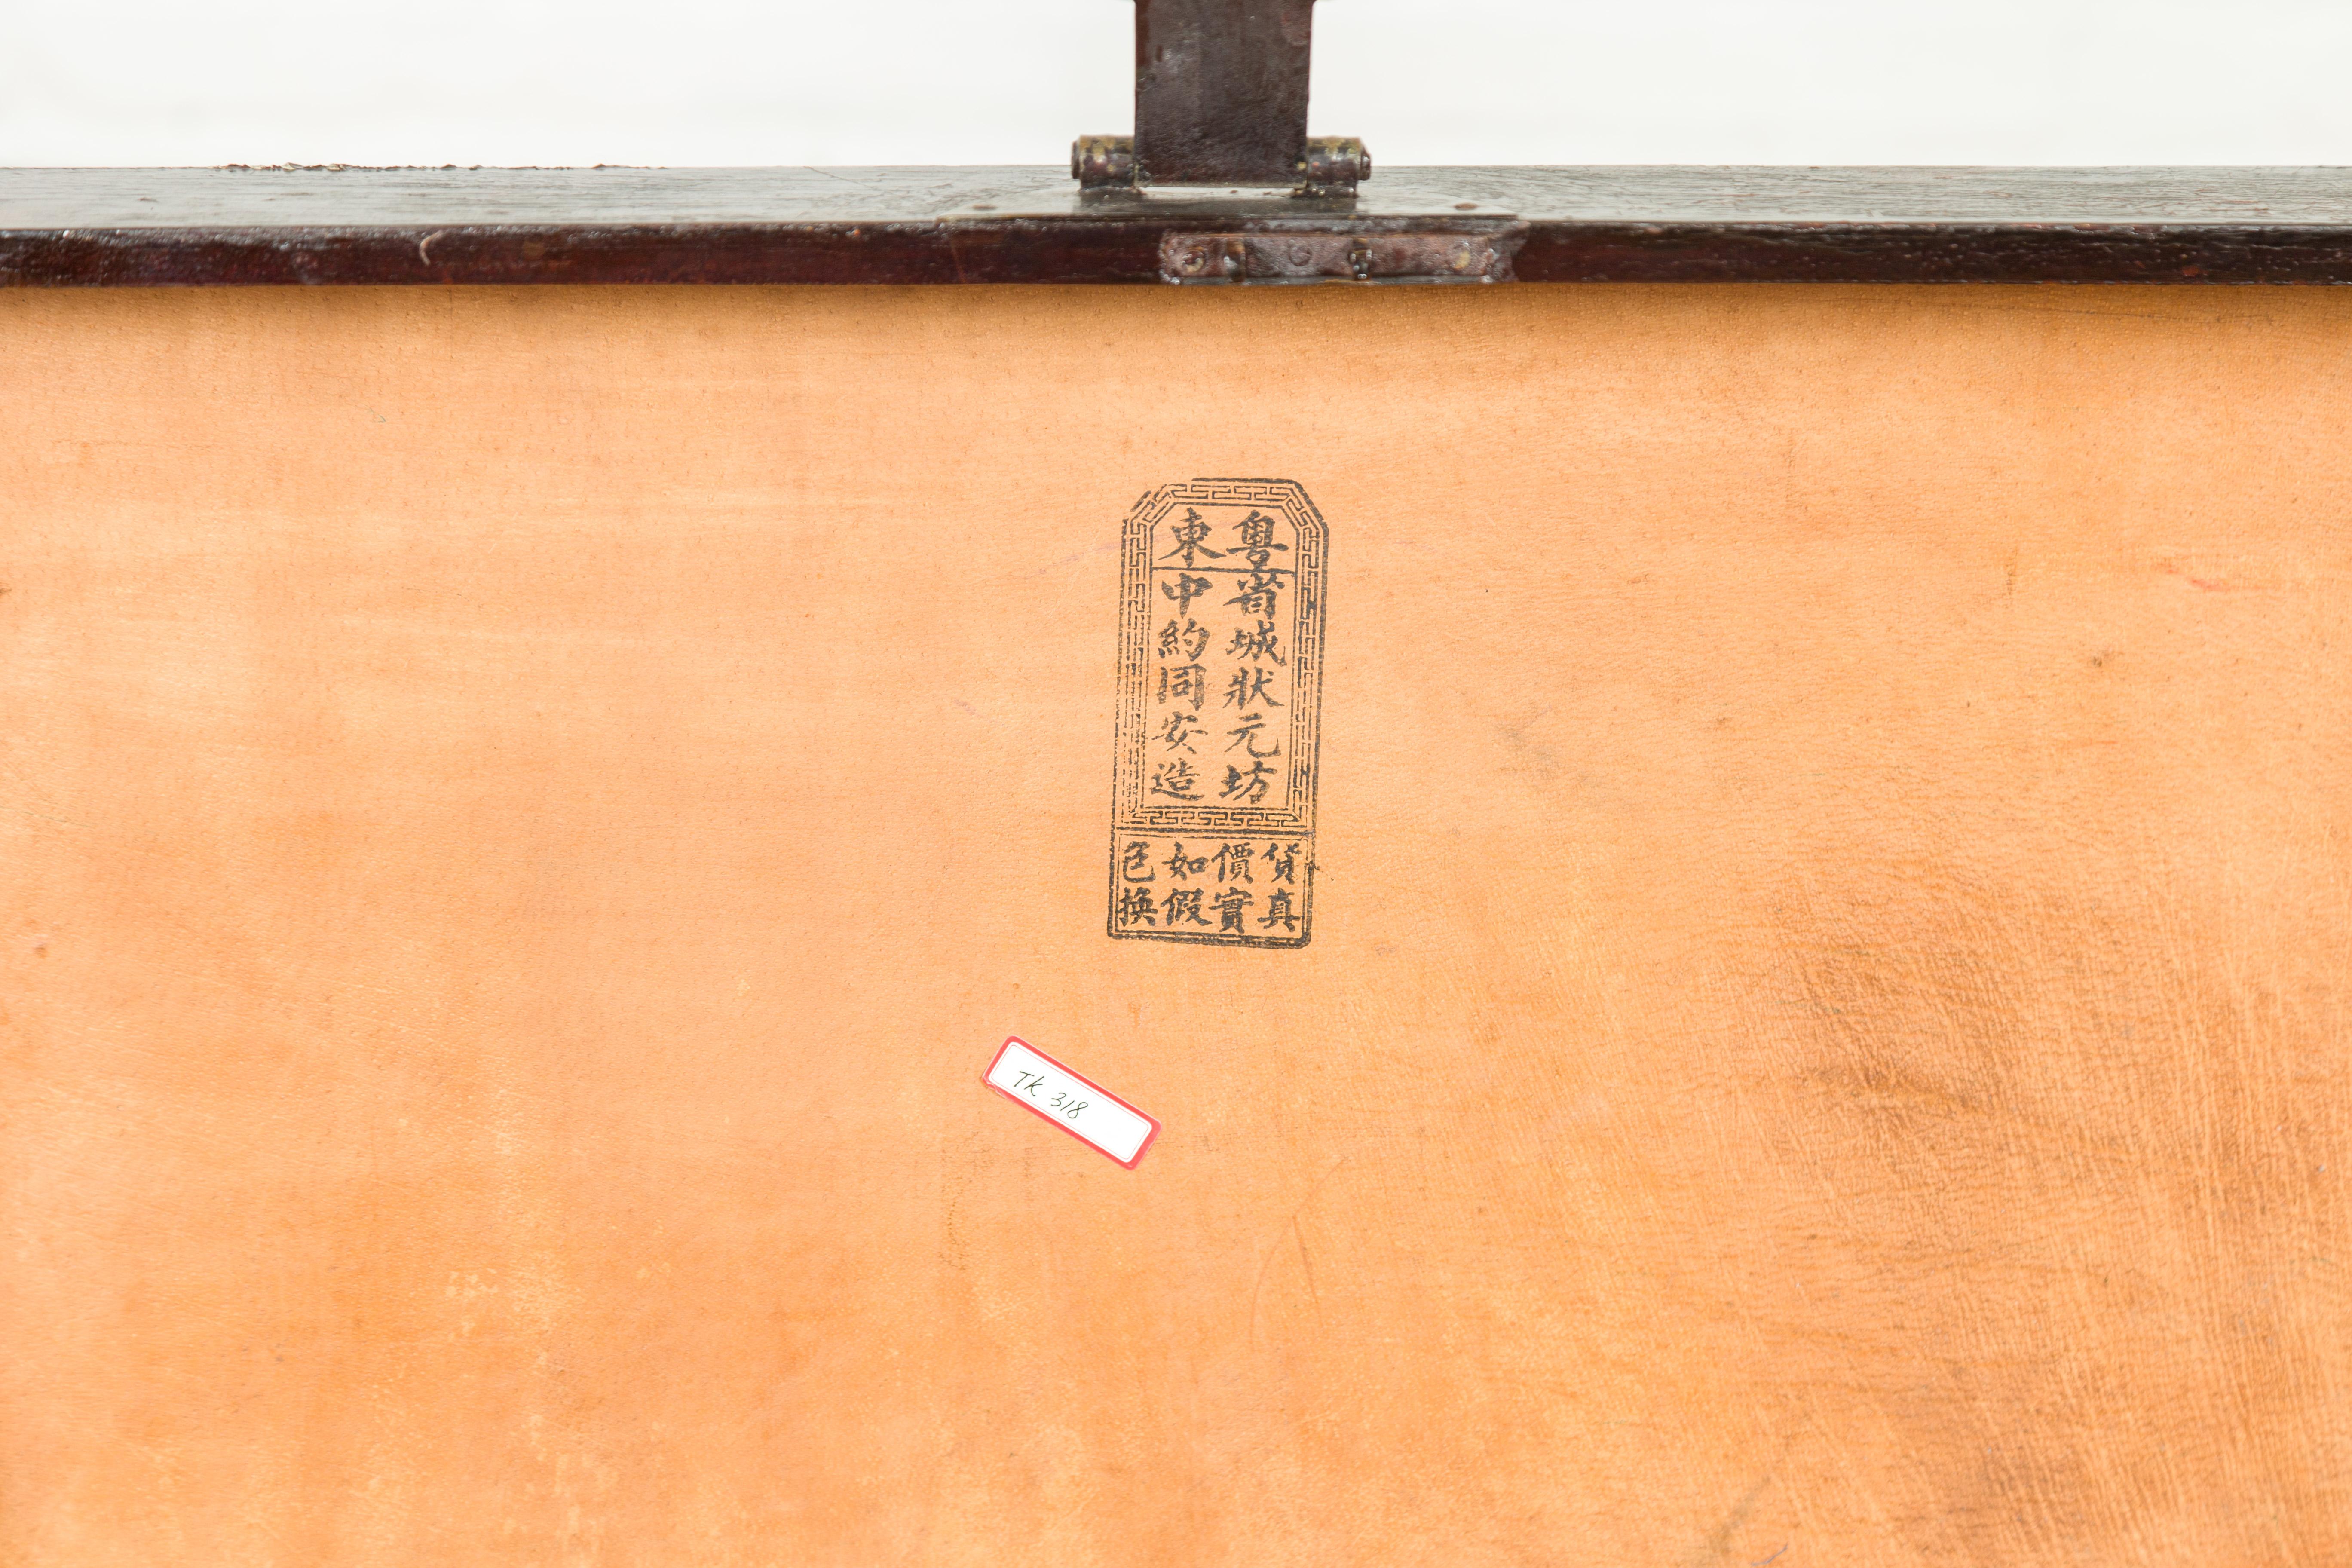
[140, 228]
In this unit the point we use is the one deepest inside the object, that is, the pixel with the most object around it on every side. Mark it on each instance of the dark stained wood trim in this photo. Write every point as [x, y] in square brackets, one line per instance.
[145, 227]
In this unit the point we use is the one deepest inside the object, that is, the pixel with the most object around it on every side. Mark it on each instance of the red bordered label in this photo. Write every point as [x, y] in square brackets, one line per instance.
[1071, 1101]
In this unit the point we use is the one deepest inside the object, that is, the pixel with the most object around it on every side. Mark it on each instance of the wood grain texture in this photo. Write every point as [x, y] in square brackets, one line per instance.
[117, 228]
[529, 812]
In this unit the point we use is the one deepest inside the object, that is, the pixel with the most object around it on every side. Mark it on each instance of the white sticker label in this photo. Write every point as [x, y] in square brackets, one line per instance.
[1078, 1106]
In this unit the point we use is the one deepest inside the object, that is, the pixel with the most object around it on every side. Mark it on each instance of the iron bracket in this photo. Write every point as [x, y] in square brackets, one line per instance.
[1285, 256]
[1221, 99]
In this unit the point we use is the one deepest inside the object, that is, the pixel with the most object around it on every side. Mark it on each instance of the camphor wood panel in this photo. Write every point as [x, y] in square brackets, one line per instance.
[529, 812]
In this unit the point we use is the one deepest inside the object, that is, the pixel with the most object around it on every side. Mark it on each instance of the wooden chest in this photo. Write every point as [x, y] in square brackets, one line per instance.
[1812, 1025]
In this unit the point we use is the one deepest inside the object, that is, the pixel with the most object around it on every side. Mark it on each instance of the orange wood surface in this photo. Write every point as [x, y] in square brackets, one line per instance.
[527, 812]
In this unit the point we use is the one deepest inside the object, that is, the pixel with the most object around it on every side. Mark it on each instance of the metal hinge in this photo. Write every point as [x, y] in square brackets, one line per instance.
[1221, 99]
[1274, 257]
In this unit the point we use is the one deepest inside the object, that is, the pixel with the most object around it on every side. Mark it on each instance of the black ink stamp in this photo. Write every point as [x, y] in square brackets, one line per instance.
[1220, 683]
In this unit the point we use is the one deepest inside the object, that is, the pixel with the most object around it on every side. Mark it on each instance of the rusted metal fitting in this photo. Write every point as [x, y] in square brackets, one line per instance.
[1221, 99]
[1332, 165]
[1294, 256]
[1204, 258]
[1098, 162]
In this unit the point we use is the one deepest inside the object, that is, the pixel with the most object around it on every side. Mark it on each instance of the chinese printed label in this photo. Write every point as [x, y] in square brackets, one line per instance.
[1221, 645]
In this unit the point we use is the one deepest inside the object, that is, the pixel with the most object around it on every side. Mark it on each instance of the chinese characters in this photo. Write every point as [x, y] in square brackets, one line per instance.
[1241, 887]
[1222, 596]
[1234, 655]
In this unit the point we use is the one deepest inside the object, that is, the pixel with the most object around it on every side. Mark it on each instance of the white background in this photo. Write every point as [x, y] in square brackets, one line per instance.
[982, 81]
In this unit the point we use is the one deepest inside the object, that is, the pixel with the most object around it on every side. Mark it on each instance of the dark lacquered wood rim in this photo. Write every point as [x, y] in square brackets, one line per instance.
[146, 227]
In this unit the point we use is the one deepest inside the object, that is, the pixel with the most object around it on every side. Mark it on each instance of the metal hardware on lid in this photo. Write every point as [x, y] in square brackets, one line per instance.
[1098, 161]
[1278, 255]
[1334, 163]
[1221, 99]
